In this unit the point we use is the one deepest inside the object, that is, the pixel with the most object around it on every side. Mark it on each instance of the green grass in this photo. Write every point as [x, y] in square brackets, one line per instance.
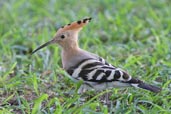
[133, 35]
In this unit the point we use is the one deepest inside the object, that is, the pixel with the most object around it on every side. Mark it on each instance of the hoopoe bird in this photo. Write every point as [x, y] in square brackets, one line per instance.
[93, 70]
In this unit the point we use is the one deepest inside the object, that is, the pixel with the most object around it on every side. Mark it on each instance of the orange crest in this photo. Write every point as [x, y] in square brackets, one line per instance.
[74, 25]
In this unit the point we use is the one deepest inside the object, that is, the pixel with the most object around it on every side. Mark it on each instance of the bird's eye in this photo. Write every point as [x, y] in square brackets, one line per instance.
[62, 36]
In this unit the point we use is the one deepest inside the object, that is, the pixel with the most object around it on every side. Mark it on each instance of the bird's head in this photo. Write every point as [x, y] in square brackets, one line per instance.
[67, 35]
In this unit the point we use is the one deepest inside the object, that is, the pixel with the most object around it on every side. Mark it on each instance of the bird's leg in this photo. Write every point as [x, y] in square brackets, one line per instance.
[83, 88]
[107, 101]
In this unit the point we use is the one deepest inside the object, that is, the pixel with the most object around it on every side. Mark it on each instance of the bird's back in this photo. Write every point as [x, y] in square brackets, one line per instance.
[97, 73]
[72, 58]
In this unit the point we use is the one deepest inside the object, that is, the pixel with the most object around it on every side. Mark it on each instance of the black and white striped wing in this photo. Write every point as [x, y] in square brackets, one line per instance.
[105, 62]
[97, 71]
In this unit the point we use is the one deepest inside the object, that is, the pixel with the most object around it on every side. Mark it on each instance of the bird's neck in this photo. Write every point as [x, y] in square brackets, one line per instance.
[70, 51]
[68, 54]
[70, 47]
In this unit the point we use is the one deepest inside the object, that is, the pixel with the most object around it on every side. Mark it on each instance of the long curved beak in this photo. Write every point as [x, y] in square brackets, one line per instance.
[42, 46]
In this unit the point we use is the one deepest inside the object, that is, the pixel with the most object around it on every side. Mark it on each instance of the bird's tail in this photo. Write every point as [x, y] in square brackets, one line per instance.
[147, 87]
[140, 84]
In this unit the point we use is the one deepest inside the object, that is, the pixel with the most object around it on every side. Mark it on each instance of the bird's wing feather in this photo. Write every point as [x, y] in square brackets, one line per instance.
[93, 70]
[105, 62]
[98, 71]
